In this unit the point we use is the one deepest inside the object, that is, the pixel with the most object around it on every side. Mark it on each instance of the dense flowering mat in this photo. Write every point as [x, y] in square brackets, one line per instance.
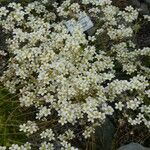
[74, 64]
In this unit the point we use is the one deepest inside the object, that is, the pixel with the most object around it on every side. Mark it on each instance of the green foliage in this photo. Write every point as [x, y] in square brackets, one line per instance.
[10, 119]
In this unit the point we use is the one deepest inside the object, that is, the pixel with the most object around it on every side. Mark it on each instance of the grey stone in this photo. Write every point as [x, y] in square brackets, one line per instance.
[104, 136]
[91, 31]
[136, 3]
[147, 1]
[144, 8]
[133, 146]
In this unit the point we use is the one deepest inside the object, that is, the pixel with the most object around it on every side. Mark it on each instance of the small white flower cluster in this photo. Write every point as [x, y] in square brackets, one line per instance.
[147, 17]
[69, 78]
[48, 133]
[67, 146]
[46, 146]
[139, 119]
[29, 128]
[26, 146]
[130, 14]
[43, 112]
[119, 86]
[2, 53]
[3, 147]
[120, 33]
[108, 110]
[88, 131]
[130, 59]
[68, 135]
[133, 104]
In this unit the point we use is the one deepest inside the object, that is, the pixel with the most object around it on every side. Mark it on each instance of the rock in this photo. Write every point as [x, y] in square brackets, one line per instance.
[91, 31]
[104, 136]
[133, 146]
[136, 3]
[147, 1]
[143, 5]
[144, 8]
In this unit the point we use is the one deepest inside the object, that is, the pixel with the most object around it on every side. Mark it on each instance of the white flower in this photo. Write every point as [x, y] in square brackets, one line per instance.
[46, 146]
[119, 106]
[147, 17]
[29, 128]
[133, 104]
[132, 122]
[48, 133]
[3, 11]
[44, 1]
[147, 123]
[14, 147]
[145, 109]
[130, 14]
[68, 135]
[23, 128]
[108, 110]
[43, 112]
[67, 146]
[2, 147]
[148, 93]
[88, 131]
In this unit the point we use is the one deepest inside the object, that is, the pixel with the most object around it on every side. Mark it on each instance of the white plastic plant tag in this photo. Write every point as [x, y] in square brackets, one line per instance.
[70, 26]
[85, 22]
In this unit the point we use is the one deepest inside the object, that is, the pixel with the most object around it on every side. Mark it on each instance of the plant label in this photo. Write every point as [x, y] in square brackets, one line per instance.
[84, 22]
